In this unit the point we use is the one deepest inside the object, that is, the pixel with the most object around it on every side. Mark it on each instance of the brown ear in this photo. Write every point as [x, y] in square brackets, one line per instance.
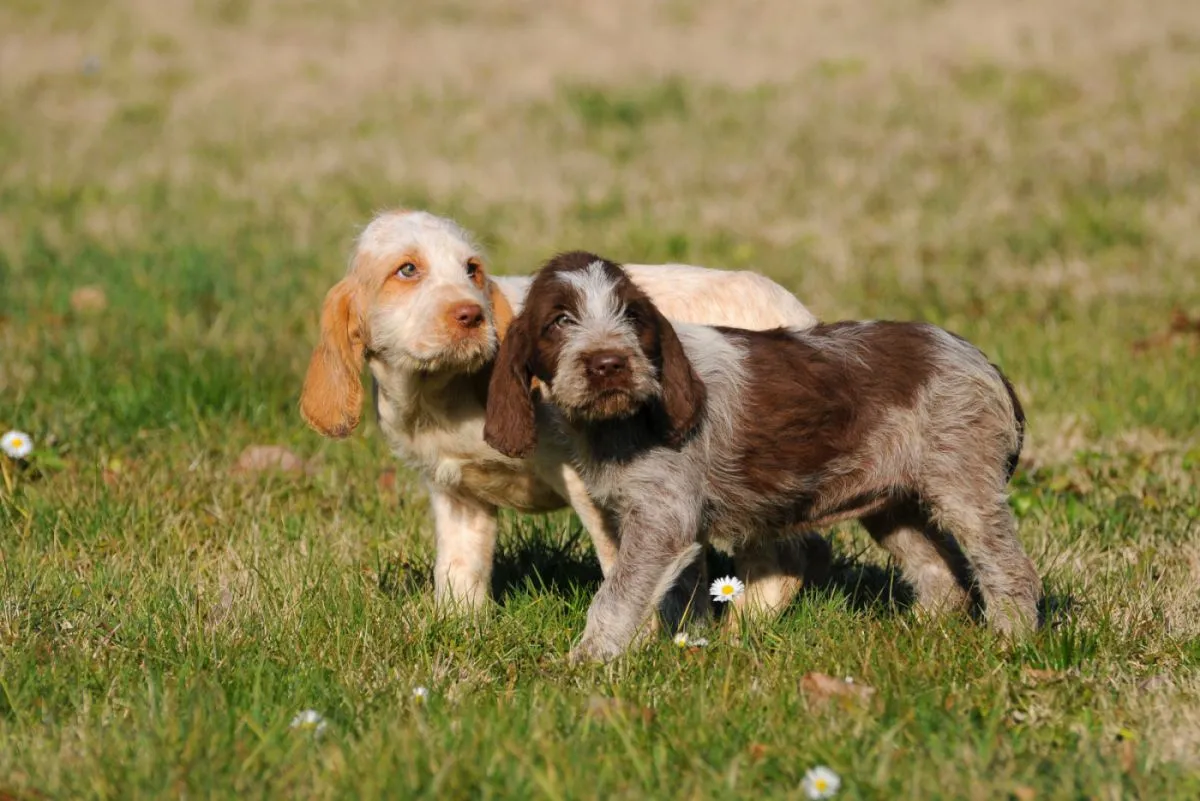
[331, 401]
[683, 393]
[511, 425]
[502, 310]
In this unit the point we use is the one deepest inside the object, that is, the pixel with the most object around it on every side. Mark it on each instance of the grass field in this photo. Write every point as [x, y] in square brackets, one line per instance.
[179, 184]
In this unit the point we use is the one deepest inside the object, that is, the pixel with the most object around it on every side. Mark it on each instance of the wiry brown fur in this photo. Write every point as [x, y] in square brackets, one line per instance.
[534, 353]
[901, 425]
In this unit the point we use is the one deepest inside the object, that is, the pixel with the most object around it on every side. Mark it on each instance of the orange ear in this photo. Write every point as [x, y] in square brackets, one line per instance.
[331, 401]
[502, 310]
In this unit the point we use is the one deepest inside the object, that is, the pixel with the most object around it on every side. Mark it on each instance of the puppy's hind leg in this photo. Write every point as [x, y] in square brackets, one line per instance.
[983, 524]
[775, 570]
[929, 560]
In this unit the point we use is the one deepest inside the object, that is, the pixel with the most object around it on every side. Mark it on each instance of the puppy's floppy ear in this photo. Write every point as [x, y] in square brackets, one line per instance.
[331, 401]
[502, 310]
[683, 393]
[511, 425]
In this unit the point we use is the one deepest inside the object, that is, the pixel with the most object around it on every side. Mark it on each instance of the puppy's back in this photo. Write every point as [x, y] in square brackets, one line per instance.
[805, 397]
[686, 293]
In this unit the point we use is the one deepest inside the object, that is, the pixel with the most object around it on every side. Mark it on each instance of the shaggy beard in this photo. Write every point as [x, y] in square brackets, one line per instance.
[464, 356]
[609, 404]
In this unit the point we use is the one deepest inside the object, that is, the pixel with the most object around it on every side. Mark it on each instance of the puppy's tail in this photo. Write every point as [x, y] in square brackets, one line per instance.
[1019, 419]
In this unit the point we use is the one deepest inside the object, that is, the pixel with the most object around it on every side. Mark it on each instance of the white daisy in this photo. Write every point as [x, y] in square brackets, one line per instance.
[684, 641]
[420, 694]
[310, 720]
[17, 444]
[821, 782]
[726, 589]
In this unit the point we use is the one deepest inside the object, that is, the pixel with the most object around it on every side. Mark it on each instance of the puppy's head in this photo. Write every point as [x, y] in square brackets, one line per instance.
[416, 297]
[601, 350]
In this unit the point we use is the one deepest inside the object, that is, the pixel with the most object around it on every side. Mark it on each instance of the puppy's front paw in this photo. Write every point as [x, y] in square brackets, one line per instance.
[591, 650]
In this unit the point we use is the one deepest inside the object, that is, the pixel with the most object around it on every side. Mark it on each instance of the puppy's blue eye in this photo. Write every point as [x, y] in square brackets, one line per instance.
[406, 270]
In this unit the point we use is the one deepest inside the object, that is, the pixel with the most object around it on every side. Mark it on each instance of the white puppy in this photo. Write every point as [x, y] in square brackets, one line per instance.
[419, 308]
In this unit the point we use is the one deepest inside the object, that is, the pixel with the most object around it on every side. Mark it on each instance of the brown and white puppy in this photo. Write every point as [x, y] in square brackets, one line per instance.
[690, 434]
[418, 307]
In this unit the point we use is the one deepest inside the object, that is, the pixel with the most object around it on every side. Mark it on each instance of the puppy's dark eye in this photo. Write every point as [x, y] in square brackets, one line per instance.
[406, 270]
[472, 269]
[559, 321]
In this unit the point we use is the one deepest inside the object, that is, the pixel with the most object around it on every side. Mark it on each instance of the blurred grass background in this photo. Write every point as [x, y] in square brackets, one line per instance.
[1026, 174]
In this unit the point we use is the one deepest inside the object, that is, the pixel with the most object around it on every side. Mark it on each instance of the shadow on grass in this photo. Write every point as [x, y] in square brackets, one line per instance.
[559, 562]
[1057, 609]
[882, 590]
[875, 589]
[564, 564]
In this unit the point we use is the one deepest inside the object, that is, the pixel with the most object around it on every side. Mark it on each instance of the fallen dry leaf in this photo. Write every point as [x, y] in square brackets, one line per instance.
[757, 751]
[89, 299]
[1024, 792]
[1038, 675]
[1181, 325]
[114, 469]
[606, 709]
[261, 458]
[387, 480]
[821, 689]
[20, 795]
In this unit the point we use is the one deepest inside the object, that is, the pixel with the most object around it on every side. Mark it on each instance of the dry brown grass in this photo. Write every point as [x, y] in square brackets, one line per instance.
[1026, 172]
[271, 102]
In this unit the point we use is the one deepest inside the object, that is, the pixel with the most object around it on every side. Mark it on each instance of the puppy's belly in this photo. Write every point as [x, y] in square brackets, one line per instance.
[730, 531]
[728, 534]
[511, 488]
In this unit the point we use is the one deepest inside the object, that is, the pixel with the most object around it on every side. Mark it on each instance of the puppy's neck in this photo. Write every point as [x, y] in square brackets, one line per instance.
[409, 399]
[617, 441]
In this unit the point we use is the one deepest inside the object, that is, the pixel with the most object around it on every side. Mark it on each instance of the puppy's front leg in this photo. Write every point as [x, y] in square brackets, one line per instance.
[465, 531]
[655, 550]
[600, 526]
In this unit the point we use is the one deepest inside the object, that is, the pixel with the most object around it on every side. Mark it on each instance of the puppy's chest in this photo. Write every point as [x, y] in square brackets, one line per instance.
[450, 452]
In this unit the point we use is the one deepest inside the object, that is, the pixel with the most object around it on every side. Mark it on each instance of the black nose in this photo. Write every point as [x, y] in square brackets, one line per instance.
[607, 364]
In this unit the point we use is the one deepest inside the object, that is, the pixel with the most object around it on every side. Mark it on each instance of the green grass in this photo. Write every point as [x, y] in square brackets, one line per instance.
[164, 617]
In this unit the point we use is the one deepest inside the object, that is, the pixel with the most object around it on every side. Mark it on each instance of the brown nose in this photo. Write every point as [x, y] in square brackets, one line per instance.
[468, 315]
[606, 364]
